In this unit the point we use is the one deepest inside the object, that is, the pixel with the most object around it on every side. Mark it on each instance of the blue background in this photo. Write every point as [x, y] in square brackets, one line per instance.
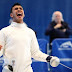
[38, 13]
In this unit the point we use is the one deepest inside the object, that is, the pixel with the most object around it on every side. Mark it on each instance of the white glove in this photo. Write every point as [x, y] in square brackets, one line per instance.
[7, 69]
[54, 62]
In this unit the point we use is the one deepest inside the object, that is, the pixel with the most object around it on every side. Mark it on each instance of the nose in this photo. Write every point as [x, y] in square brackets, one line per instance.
[18, 9]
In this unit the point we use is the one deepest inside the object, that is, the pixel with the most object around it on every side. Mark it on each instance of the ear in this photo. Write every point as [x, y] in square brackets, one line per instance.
[11, 15]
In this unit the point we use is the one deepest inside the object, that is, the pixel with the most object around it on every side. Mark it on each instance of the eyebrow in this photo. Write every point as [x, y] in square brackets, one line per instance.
[18, 7]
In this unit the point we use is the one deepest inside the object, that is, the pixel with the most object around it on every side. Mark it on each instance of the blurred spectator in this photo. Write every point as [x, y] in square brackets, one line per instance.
[58, 28]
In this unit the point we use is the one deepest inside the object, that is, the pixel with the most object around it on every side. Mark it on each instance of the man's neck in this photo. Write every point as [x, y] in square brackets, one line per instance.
[18, 21]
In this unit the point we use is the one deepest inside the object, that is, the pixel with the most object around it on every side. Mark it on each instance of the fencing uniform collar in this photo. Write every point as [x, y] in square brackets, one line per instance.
[19, 25]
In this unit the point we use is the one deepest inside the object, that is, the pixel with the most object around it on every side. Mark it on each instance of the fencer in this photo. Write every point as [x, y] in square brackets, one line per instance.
[18, 44]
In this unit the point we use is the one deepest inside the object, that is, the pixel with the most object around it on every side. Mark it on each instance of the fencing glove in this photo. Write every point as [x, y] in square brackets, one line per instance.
[54, 61]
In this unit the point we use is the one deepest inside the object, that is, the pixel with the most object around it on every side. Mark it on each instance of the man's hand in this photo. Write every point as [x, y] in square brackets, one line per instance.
[54, 61]
[57, 26]
[0, 47]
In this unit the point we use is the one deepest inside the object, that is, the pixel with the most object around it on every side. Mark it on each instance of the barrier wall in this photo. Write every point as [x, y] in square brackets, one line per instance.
[62, 48]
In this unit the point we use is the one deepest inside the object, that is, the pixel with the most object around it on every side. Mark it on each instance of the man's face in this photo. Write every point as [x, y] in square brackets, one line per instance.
[17, 14]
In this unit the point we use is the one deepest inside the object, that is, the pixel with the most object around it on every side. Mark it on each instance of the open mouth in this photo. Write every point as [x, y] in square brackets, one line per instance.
[19, 14]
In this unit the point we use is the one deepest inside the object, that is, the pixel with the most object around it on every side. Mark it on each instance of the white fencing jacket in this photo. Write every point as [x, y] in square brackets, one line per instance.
[19, 42]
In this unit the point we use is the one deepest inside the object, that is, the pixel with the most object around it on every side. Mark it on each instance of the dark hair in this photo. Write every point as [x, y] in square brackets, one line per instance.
[14, 5]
